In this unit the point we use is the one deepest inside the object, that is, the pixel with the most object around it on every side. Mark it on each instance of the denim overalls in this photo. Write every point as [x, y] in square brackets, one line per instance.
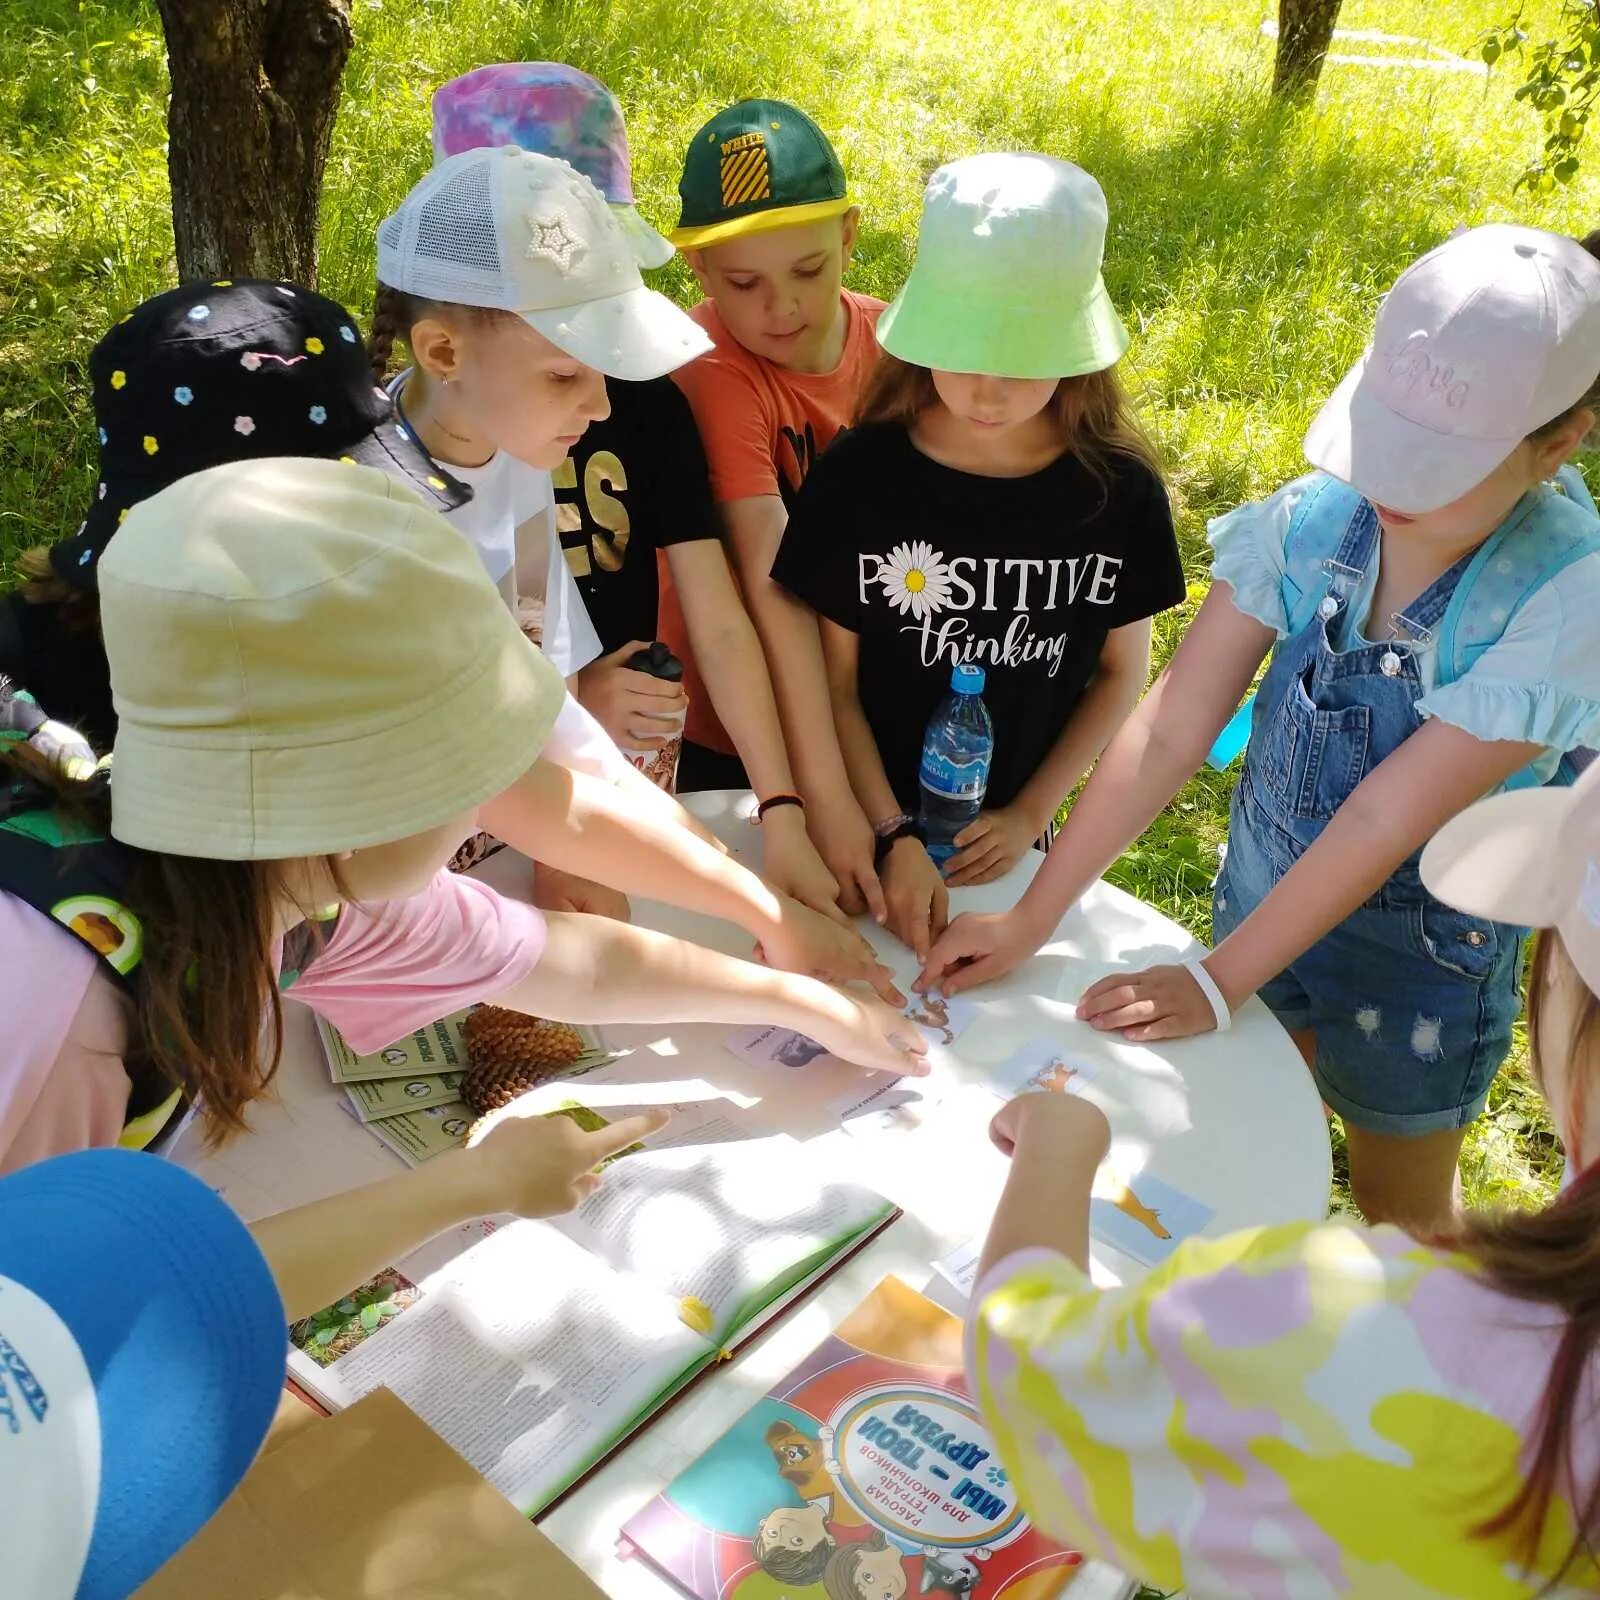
[1412, 1002]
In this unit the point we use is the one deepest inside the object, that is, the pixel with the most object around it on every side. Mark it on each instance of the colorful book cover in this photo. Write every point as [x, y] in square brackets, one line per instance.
[866, 1474]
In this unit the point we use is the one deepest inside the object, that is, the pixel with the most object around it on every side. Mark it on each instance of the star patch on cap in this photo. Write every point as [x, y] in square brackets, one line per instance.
[554, 241]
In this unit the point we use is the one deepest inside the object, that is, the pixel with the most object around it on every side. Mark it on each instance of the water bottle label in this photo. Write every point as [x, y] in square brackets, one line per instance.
[954, 780]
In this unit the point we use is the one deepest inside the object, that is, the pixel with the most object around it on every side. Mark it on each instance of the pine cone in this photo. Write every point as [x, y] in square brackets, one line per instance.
[509, 1052]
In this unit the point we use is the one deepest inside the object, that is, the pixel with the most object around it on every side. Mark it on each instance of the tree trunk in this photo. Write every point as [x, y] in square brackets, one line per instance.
[255, 84]
[1305, 30]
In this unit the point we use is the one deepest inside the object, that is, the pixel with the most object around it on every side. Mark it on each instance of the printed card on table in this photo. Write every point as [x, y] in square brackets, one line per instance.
[776, 1047]
[1041, 1064]
[1144, 1217]
[942, 1018]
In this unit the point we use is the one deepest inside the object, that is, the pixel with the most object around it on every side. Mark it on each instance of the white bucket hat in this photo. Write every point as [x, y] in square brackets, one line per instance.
[306, 659]
[1486, 338]
[514, 231]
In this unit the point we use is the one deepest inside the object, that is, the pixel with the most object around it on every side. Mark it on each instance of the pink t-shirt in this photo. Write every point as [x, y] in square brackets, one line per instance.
[388, 969]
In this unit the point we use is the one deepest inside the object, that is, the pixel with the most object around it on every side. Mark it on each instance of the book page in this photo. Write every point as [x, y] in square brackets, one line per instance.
[729, 1225]
[523, 1353]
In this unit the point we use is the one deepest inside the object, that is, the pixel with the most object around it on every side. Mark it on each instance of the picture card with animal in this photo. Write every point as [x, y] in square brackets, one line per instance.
[1144, 1217]
[865, 1472]
[776, 1047]
[942, 1018]
[538, 1350]
[1042, 1064]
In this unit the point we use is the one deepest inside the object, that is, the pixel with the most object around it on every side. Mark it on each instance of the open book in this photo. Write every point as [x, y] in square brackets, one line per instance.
[536, 1348]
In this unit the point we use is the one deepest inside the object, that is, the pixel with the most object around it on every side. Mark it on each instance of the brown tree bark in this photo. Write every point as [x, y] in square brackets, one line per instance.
[1305, 30]
[255, 84]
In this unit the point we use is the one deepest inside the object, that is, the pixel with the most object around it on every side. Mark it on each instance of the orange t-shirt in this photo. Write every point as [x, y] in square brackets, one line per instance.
[762, 427]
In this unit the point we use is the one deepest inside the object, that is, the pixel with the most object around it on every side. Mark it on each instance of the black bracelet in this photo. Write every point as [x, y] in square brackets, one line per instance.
[907, 830]
[778, 800]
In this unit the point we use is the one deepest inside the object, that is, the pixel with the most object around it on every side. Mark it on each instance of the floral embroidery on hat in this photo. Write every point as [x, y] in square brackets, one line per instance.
[350, 461]
[250, 360]
[122, 516]
[284, 289]
[348, 334]
[223, 283]
[86, 557]
[183, 394]
[314, 345]
[105, 438]
[435, 483]
[99, 491]
[118, 379]
[244, 425]
[150, 444]
[318, 414]
[554, 241]
[199, 313]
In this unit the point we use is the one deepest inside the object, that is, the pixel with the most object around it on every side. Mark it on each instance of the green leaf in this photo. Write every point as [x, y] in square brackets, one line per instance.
[390, 1308]
[1491, 51]
[323, 1337]
[347, 1307]
[370, 1318]
[1566, 168]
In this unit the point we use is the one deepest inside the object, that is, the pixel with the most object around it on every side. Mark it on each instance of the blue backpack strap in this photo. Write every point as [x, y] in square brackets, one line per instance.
[1315, 532]
[1571, 483]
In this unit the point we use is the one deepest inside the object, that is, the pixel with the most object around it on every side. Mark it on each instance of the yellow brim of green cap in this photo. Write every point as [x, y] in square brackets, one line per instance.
[759, 222]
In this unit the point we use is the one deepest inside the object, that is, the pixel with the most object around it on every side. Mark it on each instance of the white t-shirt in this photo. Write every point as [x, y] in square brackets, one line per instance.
[510, 520]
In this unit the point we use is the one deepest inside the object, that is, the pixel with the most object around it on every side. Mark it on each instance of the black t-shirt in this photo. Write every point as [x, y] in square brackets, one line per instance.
[634, 484]
[933, 567]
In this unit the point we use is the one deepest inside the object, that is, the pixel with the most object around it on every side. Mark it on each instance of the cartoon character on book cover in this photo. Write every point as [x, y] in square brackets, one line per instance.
[866, 1474]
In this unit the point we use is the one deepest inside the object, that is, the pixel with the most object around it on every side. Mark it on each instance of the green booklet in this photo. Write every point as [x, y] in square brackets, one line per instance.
[438, 1048]
[418, 1136]
[538, 1350]
[372, 1098]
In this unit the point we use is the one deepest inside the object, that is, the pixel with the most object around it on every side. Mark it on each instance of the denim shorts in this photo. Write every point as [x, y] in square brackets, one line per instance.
[1411, 1002]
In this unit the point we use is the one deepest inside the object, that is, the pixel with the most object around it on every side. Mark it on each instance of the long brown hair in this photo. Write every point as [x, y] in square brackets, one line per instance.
[395, 313]
[206, 1011]
[1094, 413]
[1552, 1258]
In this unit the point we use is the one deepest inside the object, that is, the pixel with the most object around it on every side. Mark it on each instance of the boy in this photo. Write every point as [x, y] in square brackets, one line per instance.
[768, 227]
[635, 483]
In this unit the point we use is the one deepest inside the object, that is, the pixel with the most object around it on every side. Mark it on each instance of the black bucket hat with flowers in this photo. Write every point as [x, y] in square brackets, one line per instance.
[218, 372]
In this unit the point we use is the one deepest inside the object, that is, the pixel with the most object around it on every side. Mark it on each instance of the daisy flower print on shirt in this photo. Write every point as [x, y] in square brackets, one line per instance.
[915, 579]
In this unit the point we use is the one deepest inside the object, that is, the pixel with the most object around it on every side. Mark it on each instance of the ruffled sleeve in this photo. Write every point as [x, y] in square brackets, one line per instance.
[1248, 552]
[1540, 681]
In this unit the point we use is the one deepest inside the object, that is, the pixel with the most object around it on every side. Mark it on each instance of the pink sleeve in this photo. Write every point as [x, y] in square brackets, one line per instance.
[62, 1086]
[393, 967]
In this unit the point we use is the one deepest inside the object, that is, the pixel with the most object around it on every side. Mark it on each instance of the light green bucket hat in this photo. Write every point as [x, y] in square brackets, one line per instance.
[1007, 276]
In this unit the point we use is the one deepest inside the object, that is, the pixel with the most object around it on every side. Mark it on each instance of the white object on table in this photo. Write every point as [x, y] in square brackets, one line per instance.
[1235, 1121]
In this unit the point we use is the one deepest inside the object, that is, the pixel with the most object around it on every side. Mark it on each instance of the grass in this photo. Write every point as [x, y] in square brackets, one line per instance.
[1248, 246]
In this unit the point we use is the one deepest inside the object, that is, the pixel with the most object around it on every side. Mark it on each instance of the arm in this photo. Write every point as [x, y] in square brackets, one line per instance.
[992, 845]
[1395, 809]
[735, 673]
[914, 893]
[580, 825]
[595, 970]
[1156, 749]
[534, 1165]
[788, 633]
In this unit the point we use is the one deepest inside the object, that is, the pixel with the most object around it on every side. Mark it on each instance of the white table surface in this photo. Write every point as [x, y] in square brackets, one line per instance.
[1233, 1119]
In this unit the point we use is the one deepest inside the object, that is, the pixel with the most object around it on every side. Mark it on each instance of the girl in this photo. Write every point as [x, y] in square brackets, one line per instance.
[336, 693]
[510, 342]
[1436, 639]
[212, 373]
[1321, 1408]
[996, 506]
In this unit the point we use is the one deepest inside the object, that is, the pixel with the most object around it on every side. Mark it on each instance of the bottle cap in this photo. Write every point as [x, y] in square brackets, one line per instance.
[967, 680]
[658, 661]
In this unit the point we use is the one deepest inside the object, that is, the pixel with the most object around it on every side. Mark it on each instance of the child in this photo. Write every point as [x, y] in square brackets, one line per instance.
[997, 506]
[337, 691]
[768, 228]
[1436, 639]
[212, 373]
[126, 1335]
[1320, 1408]
[636, 483]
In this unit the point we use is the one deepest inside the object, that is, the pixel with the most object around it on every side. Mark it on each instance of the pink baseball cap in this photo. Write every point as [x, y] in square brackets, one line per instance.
[553, 110]
[1530, 857]
[1487, 337]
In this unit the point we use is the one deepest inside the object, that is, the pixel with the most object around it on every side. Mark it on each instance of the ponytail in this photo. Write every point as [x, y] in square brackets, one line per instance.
[392, 318]
[1552, 1258]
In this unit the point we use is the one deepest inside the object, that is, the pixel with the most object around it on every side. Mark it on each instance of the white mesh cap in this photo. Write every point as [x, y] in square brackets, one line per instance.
[515, 231]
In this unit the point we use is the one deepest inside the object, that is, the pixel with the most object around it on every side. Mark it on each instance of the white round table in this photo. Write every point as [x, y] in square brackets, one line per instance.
[1232, 1119]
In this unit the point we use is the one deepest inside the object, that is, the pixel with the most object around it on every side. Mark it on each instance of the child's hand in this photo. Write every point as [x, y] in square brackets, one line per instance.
[1159, 1003]
[845, 841]
[792, 865]
[538, 1165]
[989, 847]
[918, 902]
[859, 1028]
[555, 890]
[977, 947]
[1075, 1130]
[802, 941]
[629, 705]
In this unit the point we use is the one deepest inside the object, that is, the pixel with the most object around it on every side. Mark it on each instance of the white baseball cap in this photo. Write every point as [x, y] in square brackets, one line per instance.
[1486, 338]
[514, 231]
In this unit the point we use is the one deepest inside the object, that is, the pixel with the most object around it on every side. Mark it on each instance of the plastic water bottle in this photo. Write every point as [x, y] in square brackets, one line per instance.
[660, 766]
[956, 751]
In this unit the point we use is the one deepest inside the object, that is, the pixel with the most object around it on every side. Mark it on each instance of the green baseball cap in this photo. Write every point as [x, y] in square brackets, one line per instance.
[760, 164]
[1007, 276]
